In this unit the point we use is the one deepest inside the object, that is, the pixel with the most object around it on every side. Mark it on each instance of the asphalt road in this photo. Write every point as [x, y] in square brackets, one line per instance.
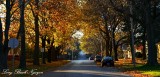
[84, 68]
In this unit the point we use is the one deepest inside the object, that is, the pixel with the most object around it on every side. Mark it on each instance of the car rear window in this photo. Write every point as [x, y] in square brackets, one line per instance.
[98, 57]
[109, 58]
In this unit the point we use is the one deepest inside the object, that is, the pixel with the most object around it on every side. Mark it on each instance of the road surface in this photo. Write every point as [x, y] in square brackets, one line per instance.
[84, 68]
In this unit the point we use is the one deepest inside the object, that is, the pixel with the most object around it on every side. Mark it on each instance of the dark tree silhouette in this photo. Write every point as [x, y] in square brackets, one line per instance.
[22, 34]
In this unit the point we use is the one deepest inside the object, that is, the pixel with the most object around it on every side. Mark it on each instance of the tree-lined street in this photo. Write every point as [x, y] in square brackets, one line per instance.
[57, 31]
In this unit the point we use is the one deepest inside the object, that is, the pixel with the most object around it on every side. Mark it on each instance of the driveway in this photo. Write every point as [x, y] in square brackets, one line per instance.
[84, 68]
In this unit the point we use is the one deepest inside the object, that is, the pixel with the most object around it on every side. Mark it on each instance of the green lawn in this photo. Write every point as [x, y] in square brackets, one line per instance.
[152, 70]
[140, 68]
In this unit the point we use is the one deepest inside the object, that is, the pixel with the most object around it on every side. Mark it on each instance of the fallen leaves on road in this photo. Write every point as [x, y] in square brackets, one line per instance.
[137, 74]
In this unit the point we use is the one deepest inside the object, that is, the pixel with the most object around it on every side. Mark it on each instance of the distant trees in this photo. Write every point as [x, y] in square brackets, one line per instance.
[108, 22]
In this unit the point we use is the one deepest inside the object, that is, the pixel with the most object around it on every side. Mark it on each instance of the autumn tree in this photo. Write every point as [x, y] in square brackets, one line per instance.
[9, 4]
[107, 20]
[55, 24]
[148, 17]
[152, 49]
[35, 12]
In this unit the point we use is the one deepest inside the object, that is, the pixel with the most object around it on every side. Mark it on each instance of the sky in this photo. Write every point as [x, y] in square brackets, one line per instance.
[78, 35]
[2, 10]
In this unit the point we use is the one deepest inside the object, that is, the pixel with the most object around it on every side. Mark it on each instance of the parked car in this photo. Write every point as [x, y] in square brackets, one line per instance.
[98, 58]
[91, 58]
[107, 61]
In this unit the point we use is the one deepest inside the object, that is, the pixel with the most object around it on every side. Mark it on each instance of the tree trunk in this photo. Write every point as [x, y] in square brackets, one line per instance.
[50, 51]
[152, 49]
[5, 48]
[144, 44]
[36, 51]
[132, 50]
[115, 49]
[132, 35]
[22, 33]
[1, 44]
[43, 46]
[4, 64]
[107, 47]
[107, 39]
[115, 52]
[110, 47]
[54, 53]
[58, 52]
[49, 55]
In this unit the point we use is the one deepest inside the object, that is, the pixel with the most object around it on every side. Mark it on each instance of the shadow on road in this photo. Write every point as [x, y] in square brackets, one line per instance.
[84, 68]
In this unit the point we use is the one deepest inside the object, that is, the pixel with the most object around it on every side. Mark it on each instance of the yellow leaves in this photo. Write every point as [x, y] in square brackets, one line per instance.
[54, 15]
[62, 33]
[57, 19]
[13, 30]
